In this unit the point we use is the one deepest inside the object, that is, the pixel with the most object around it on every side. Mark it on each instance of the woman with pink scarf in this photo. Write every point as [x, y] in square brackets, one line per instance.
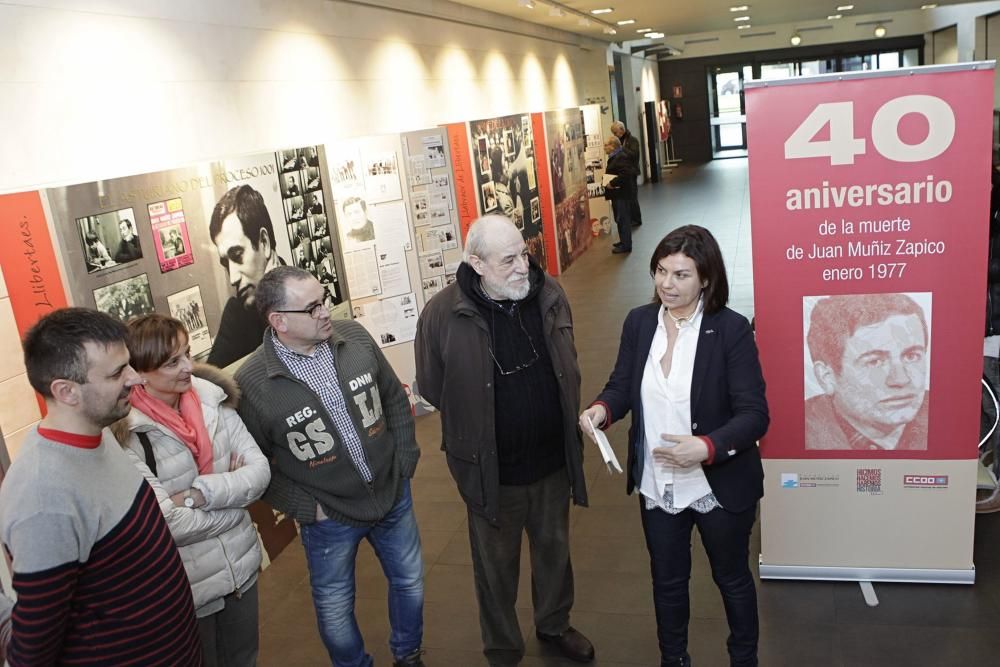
[184, 435]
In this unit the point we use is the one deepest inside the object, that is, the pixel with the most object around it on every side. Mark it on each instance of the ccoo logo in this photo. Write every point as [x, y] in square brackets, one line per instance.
[925, 480]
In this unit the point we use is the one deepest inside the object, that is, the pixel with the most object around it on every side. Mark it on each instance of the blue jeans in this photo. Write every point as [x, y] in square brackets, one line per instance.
[331, 550]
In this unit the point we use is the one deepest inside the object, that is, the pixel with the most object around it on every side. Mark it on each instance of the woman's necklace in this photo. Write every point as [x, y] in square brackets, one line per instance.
[680, 321]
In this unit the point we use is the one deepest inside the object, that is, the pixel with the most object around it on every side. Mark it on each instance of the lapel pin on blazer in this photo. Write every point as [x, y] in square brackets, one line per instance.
[709, 331]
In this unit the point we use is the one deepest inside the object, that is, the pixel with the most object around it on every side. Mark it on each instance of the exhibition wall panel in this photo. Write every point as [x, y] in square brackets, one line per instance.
[566, 144]
[170, 83]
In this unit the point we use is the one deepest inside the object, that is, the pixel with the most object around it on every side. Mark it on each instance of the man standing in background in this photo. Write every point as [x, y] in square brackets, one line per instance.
[630, 146]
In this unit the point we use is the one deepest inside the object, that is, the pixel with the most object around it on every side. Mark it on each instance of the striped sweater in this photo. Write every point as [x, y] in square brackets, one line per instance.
[98, 577]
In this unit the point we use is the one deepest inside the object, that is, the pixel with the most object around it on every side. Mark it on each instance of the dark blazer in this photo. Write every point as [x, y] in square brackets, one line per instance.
[621, 166]
[727, 400]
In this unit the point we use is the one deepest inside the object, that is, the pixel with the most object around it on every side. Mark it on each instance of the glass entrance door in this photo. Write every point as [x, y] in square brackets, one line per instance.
[728, 111]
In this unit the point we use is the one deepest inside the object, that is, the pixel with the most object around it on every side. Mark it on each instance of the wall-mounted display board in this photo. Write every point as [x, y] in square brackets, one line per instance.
[565, 144]
[195, 241]
[596, 130]
[504, 173]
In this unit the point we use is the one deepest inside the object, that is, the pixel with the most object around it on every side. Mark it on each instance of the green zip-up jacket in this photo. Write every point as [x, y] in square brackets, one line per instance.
[309, 463]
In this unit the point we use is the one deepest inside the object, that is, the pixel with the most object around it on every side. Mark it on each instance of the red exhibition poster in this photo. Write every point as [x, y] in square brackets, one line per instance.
[869, 198]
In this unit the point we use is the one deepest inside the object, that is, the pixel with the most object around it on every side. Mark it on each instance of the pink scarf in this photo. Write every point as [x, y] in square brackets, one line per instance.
[188, 424]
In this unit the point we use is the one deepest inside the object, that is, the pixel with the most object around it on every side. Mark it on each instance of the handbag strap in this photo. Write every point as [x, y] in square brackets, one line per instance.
[147, 450]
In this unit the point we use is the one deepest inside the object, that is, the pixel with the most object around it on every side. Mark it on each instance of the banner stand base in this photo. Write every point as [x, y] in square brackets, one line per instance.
[872, 574]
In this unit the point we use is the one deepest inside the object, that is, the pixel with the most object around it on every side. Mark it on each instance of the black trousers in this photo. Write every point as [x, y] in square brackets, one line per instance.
[542, 511]
[726, 536]
[621, 207]
[636, 212]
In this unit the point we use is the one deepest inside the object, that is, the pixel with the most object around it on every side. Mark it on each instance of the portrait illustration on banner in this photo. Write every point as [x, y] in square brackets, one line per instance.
[867, 371]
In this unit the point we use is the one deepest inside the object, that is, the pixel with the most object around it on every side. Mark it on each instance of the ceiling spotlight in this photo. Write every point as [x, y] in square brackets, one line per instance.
[834, 17]
[880, 30]
[796, 39]
[653, 35]
[644, 30]
[527, 4]
[741, 18]
[933, 6]
[845, 8]
[741, 8]
[626, 22]
[610, 31]
[743, 26]
[606, 10]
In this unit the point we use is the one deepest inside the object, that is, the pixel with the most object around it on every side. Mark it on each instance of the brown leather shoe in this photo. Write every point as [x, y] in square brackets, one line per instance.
[571, 644]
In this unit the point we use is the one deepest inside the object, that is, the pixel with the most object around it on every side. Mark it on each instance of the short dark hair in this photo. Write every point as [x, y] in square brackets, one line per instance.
[351, 201]
[270, 293]
[251, 211]
[698, 244]
[152, 339]
[834, 319]
[54, 346]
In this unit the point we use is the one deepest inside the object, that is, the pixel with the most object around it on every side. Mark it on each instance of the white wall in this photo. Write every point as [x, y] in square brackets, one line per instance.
[101, 88]
[94, 89]
[943, 47]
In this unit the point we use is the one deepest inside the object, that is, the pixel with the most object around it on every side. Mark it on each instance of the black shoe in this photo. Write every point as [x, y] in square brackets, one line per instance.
[411, 659]
[620, 249]
[683, 661]
[571, 644]
[617, 244]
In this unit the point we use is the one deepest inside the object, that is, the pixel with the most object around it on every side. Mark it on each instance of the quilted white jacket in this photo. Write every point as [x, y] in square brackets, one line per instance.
[218, 542]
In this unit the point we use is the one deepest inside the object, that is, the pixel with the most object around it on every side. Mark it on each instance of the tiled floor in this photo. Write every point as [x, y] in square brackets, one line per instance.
[802, 623]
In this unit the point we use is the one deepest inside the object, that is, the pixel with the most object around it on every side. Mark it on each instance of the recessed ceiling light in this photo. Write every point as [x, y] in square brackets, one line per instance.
[606, 10]
[741, 8]
[834, 17]
[845, 8]
[796, 39]
[626, 22]
[743, 26]
[741, 18]
[644, 30]
[933, 6]
[610, 31]
[880, 30]
[654, 35]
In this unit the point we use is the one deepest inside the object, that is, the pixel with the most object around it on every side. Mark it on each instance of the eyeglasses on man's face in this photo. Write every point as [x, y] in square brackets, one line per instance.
[314, 311]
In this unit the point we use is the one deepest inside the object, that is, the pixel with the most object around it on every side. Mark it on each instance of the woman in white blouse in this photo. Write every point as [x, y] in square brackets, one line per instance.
[689, 373]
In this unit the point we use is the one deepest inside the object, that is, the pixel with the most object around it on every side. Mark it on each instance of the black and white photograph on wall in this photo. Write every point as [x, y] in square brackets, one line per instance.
[314, 203]
[291, 184]
[356, 226]
[431, 286]
[312, 179]
[434, 150]
[489, 197]
[536, 210]
[419, 172]
[321, 249]
[319, 225]
[126, 298]
[504, 155]
[294, 209]
[382, 178]
[432, 264]
[432, 239]
[171, 242]
[439, 215]
[311, 156]
[343, 169]
[188, 307]
[419, 201]
[298, 233]
[289, 160]
[327, 271]
[109, 239]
